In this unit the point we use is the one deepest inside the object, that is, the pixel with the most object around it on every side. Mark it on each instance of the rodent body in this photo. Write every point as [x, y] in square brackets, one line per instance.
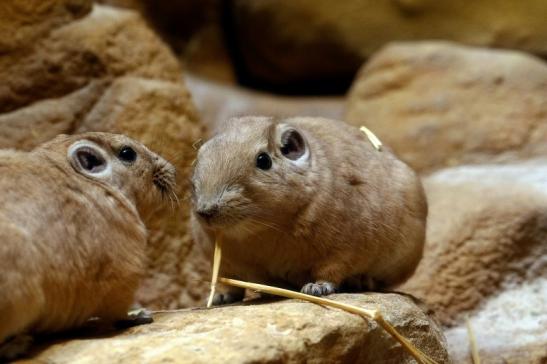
[330, 211]
[71, 238]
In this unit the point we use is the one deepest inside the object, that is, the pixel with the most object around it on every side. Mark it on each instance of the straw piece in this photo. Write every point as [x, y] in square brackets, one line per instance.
[472, 342]
[301, 296]
[416, 353]
[197, 144]
[373, 314]
[372, 138]
[216, 267]
[376, 315]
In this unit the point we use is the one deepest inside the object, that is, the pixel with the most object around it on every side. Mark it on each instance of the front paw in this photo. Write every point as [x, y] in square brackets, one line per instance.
[135, 318]
[319, 288]
[226, 298]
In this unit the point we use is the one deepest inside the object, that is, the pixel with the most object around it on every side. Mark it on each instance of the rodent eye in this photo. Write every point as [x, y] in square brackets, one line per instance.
[127, 154]
[263, 161]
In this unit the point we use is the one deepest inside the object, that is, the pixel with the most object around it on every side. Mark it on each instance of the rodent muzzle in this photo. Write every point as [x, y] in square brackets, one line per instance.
[208, 212]
[164, 179]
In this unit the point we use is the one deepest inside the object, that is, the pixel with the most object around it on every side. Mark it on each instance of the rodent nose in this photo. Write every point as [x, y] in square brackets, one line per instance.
[208, 212]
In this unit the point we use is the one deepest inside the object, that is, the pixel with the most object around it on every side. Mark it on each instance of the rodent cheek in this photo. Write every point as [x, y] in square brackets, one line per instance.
[195, 189]
[136, 191]
[234, 199]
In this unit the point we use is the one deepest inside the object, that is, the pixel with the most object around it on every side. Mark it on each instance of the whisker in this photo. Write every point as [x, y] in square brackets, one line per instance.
[271, 225]
[174, 158]
[175, 197]
[247, 229]
[171, 202]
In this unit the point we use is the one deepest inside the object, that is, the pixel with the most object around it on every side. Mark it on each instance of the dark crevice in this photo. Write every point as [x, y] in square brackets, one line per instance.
[240, 50]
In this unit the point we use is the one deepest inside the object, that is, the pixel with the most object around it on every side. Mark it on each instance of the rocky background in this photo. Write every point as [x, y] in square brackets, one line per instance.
[457, 89]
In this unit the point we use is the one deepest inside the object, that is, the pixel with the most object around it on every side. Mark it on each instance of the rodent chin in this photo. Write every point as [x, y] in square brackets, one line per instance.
[217, 222]
[229, 226]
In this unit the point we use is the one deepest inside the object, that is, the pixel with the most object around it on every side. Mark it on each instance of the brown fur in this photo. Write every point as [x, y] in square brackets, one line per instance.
[71, 245]
[351, 211]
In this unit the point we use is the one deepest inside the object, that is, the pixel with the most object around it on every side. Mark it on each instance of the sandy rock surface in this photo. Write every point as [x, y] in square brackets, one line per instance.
[278, 331]
[510, 328]
[88, 75]
[486, 258]
[441, 104]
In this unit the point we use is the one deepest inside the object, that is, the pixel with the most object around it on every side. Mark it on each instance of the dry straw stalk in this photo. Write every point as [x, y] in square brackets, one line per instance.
[376, 315]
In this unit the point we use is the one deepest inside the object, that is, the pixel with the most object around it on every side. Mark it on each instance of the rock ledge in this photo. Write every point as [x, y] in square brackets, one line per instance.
[260, 331]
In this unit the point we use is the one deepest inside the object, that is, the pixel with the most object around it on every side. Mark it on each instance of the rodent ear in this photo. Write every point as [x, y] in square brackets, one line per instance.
[88, 158]
[293, 145]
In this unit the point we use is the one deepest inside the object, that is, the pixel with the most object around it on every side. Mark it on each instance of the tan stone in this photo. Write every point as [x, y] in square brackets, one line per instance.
[109, 72]
[174, 20]
[100, 45]
[283, 331]
[486, 258]
[23, 21]
[486, 233]
[27, 127]
[217, 103]
[440, 104]
[509, 328]
[192, 28]
[302, 40]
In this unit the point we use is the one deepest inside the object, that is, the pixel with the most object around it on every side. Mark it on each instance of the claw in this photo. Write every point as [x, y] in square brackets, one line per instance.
[320, 288]
[140, 317]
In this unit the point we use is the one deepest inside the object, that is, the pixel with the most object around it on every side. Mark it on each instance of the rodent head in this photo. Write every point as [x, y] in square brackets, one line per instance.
[251, 176]
[116, 161]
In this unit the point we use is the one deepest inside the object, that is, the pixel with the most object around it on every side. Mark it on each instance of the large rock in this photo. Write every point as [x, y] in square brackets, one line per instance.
[192, 29]
[283, 331]
[217, 103]
[440, 104]
[24, 21]
[486, 257]
[89, 75]
[176, 20]
[293, 43]
[99, 46]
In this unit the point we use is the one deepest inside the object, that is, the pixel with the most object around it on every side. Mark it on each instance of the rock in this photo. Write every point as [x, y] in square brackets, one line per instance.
[88, 75]
[42, 120]
[192, 28]
[510, 328]
[315, 43]
[24, 21]
[217, 103]
[486, 257]
[282, 331]
[100, 45]
[486, 231]
[440, 104]
[176, 21]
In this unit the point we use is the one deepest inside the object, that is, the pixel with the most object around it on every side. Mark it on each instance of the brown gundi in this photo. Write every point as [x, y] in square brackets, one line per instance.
[306, 203]
[72, 241]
